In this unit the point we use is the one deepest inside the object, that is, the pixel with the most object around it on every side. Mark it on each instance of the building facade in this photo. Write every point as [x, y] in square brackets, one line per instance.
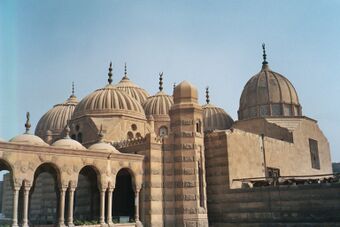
[122, 156]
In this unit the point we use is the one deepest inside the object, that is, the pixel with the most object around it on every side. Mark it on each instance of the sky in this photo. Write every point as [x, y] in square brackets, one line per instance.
[45, 45]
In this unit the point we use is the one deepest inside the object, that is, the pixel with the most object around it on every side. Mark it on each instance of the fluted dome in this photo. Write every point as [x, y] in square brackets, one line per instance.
[68, 143]
[28, 139]
[158, 104]
[56, 118]
[185, 92]
[103, 147]
[215, 118]
[132, 89]
[109, 101]
[268, 94]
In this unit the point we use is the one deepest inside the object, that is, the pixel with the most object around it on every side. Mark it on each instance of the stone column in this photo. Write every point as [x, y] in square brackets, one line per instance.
[15, 206]
[138, 222]
[109, 207]
[25, 207]
[102, 207]
[70, 206]
[61, 219]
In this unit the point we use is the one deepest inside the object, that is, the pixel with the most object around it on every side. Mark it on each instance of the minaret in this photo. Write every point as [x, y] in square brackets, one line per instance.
[189, 179]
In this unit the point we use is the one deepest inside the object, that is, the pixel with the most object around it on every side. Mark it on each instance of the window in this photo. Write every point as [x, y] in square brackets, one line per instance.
[276, 110]
[314, 153]
[130, 135]
[138, 135]
[163, 131]
[273, 172]
[198, 126]
[80, 137]
[200, 179]
[134, 127]
[264, 110]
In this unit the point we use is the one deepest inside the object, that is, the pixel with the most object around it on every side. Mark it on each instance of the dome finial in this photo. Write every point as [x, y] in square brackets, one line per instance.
[264, 54]
[100, 133]
[67, 131]
[174, 85]
[125, 72]
[110, 73]
[207, 95]
[160, 81]
[28, 123]
[72, 94]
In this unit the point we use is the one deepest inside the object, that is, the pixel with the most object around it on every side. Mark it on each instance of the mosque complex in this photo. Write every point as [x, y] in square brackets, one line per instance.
[122, 157]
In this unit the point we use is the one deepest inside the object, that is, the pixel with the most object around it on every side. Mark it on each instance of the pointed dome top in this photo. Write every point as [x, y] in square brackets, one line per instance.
[131, 88]
[268, 93]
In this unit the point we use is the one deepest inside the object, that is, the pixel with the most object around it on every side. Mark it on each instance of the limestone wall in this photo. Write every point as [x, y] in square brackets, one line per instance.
[318, 205]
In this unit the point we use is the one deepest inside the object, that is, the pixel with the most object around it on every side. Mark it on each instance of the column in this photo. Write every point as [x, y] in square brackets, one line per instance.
[25, 207]
[15, 206]
[109, 206]
[61, 220]
[102, 207]
[70, 206]
[138, 222]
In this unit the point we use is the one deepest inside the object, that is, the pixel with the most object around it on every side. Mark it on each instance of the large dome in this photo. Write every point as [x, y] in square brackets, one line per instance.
[109, 101]
[132, 89]
[215, 118]
[268, 94]
[56, 118]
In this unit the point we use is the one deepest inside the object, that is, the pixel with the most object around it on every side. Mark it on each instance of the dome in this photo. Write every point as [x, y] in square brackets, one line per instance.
[268, 94]
[215, 118]
[109, 101]
[28, 138]
[56, 118]
[185, 92]
[103, 147]
[160, 103]
[132, 89]
[68, 143]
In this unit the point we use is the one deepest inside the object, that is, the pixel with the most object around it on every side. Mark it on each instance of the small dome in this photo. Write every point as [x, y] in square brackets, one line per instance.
[158, 104]
[103, 147]
[109, 101]
[68, 143]
[132, 89]
[28, 139]
[215, 118]
[56, 118]
[185, 92]
[268, 94]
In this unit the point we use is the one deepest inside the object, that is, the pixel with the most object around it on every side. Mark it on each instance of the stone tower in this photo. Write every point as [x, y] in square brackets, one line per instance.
[189, 169]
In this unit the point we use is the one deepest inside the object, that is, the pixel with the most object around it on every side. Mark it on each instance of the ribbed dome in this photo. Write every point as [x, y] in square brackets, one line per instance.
[215, 118]
[132, 89]
[68, 143]
[158, 104]
[56, 118]
[185, 92]
[28, 139]
[109, 101]
[268, 94]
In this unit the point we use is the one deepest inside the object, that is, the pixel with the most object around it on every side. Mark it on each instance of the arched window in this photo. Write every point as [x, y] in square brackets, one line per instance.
[198, 126]
[163, 131]
[130, 135]
[138, 135]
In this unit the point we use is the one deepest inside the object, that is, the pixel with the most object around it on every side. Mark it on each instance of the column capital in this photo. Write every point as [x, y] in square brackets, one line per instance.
[63, 188]
[111, 189]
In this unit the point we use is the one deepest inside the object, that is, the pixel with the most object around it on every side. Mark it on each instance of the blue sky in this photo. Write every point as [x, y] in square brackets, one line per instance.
[45, 45]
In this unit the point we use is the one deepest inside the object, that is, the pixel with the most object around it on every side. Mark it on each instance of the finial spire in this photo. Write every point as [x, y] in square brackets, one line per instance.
[125, 72]
[161, 81]
[100, 133]
[72, 95]
[174, 85]
[207, 95]
[67, 131]
[264, 54]
[28, 123]
[110, 73]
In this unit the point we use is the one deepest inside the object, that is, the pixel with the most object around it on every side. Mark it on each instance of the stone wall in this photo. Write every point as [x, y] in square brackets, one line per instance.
[317, 204]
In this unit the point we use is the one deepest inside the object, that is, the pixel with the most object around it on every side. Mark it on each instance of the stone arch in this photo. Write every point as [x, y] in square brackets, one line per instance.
[6, 170]
[87, 194]
[44, 194]
[123, 199]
